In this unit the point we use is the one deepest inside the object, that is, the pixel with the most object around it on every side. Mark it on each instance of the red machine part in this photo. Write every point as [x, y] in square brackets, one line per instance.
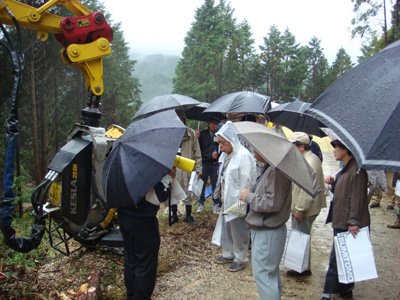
[84, 29]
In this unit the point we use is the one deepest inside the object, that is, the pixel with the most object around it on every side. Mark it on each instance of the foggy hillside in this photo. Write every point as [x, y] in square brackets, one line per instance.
[155, 73]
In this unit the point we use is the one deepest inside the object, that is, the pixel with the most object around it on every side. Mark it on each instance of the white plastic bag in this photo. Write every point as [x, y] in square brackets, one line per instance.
[354, 256]
[217, 234]
[296, 255]
[195, 185]
[397, 189]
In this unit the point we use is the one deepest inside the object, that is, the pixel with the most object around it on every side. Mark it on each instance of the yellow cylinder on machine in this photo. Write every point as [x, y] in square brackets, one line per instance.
[107, 220]
[184, 163]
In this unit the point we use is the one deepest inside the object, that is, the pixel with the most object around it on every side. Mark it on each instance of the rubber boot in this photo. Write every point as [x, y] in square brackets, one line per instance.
[174, 217]
[189, 219]
[396, 223]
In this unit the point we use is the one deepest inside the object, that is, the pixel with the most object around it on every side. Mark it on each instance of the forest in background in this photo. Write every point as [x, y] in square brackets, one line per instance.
[219, 57]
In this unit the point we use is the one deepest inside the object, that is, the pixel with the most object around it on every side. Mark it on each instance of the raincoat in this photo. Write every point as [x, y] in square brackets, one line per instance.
[240, 174]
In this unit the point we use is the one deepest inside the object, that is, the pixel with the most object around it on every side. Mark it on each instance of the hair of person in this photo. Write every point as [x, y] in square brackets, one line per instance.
[307, 147]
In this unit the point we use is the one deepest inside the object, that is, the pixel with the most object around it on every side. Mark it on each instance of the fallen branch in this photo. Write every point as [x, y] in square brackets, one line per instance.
[4, 255]
[3, 277]
[197, 226]
[175, 233]
[114, 260]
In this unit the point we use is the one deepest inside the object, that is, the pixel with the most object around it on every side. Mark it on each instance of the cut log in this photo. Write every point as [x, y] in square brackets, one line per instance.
[90, 290]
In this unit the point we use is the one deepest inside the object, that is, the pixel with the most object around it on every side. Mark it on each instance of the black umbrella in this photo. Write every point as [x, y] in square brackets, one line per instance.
[291, 115]
[197, 113]
[240, 102]
[165, 102]
[362, 108]
[141, 157]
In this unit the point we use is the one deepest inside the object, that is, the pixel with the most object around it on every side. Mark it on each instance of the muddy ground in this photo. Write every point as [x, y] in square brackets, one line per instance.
[201, 278]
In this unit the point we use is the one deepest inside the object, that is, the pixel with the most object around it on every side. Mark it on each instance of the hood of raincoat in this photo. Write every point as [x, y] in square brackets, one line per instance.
[228, 132]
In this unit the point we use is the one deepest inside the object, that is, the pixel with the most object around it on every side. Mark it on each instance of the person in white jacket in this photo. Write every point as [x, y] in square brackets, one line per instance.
[237, 171]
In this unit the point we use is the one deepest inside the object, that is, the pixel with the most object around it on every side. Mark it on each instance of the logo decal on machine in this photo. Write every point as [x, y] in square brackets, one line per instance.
[74, 189]
[83, 22]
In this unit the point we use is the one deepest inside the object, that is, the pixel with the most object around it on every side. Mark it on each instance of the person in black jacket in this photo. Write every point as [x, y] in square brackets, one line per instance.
[141, 239]
[209, 154]
[315, 148]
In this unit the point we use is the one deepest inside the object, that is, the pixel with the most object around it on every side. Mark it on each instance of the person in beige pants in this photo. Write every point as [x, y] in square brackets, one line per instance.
[305, 209]
[390, 196]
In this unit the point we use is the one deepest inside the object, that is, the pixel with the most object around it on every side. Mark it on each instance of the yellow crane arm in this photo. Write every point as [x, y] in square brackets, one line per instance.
[86, 38]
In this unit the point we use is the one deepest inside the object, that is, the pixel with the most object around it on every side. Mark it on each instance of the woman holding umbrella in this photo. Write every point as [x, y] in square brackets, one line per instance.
[348, 212]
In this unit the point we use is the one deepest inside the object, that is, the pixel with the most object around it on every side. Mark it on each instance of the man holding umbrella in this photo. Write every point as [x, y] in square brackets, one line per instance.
[141, 236]
[269, 202]
[135, 181]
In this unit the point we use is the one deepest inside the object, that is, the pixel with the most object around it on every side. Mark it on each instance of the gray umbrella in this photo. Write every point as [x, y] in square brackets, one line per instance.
[141, 157]
[240, 102]
[165, 102]
[362, 108]
[281, 154]
[291, 115]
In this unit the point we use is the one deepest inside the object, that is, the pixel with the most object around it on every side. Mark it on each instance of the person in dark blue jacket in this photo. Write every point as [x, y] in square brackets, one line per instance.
[315, 148]
[209, 155]
[141, 238]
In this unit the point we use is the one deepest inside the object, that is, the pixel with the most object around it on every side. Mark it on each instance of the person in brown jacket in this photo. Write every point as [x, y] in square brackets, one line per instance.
[348, 212]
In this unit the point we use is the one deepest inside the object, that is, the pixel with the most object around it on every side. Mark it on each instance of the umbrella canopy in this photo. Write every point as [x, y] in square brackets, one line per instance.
[165, 102]
[362, 108]
[197, 113]
[291, 115]
[240, 102]
[281, 154]
[141, 157]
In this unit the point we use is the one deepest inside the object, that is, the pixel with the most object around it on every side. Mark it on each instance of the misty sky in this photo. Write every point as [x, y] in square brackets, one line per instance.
[159, 26]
